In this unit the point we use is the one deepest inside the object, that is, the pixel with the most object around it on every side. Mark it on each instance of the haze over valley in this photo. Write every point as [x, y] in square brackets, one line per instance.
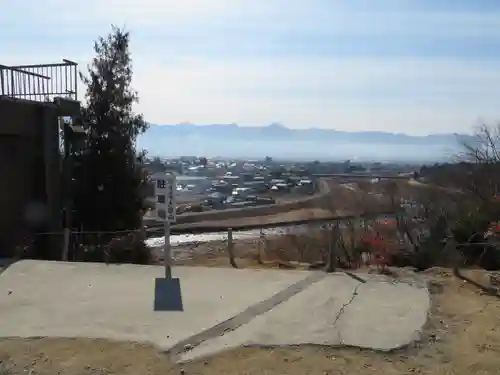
[278, 141]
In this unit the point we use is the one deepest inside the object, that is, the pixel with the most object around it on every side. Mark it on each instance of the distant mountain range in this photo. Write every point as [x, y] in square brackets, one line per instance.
[276, 140]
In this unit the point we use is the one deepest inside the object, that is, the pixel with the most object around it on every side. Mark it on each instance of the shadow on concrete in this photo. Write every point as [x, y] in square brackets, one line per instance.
[6, 263]
[168, 296]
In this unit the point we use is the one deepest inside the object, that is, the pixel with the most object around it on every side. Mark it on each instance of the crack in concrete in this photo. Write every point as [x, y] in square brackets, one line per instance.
[245, 316]
[341, 312]
[345, 305]
[353, 296]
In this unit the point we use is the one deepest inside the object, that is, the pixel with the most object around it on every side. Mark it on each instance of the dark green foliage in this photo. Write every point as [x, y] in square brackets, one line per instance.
[469, 224]
[107, 175]
[107, 169]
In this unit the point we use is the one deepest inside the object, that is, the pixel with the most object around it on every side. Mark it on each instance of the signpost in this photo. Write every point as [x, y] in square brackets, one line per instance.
[165, 188]
[167, 290]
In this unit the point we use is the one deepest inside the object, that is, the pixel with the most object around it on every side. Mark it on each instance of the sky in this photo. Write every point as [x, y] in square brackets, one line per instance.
[412, 66]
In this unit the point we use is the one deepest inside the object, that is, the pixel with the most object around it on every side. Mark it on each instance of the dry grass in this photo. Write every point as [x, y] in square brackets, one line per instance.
[462, 337]
[294, 215]
[214, 254]
[283, 251]
[286, 250]
[246, 252]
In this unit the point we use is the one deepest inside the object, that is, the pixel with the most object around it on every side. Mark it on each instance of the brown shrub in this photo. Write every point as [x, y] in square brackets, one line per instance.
[304, 248]
[128, 248]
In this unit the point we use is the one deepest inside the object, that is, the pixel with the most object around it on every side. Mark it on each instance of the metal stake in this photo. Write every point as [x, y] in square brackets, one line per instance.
[167, 256]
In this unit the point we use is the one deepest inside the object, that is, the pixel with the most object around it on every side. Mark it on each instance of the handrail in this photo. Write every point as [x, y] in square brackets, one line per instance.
[15, 69]
[40, 82]
[199, 229]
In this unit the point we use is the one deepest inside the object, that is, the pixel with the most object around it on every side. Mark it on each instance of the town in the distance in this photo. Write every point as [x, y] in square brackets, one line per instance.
[205, 184]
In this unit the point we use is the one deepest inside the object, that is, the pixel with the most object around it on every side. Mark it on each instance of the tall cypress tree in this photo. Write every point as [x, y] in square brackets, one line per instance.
[107, 176]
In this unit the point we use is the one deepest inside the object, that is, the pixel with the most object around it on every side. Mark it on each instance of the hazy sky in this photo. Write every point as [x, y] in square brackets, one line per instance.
[414, 66]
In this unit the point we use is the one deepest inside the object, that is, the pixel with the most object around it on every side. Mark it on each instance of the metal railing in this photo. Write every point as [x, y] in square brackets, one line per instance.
[41, 83]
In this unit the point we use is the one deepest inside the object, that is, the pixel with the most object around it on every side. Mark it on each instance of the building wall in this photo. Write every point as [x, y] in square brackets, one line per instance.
[200, 184]
[29, 171]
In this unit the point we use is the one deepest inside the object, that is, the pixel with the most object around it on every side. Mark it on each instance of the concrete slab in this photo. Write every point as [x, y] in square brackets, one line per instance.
[384, 315]
[116, 302]
[224, 308]
[337, 310]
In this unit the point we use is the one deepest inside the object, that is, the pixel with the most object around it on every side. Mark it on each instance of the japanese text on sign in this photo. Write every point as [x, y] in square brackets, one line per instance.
[165, 188]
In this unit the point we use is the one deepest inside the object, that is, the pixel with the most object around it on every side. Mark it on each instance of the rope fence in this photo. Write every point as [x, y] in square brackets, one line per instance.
[301, 241]
[123, 246]
[347, 242]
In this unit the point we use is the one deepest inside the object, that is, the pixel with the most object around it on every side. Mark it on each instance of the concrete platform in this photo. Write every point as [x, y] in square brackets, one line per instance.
[224, 308]
[337, 310]
[116, 301]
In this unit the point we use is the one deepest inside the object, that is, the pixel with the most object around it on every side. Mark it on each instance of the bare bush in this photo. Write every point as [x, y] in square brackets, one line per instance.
[303, 248]
[482, 167]
[120, 248]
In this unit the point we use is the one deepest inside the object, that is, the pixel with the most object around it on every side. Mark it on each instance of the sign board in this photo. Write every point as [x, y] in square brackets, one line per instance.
[165, 191]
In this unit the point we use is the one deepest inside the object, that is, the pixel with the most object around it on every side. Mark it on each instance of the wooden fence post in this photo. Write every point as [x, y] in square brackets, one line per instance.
[260, 246]
[230, 248]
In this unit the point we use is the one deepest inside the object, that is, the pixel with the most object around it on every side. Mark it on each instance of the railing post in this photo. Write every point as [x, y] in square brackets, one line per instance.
[260, 246]
[12, 93]
[2, 83]
[230, 248]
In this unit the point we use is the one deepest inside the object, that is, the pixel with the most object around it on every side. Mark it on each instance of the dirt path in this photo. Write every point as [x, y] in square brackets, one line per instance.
[463, 337]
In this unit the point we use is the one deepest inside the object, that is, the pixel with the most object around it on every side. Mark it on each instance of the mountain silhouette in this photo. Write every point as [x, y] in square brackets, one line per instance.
[277, 140]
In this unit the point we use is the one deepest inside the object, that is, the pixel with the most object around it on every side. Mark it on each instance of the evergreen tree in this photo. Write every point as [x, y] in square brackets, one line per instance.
[107, 175]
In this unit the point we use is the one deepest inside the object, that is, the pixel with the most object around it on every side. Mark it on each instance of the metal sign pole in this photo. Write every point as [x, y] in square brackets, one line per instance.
[167, 252]
[168, 295]
[170, 217]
